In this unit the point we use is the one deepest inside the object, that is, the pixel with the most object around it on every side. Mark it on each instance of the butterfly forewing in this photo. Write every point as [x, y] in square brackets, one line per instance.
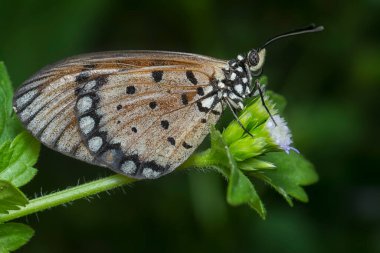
[139, 113]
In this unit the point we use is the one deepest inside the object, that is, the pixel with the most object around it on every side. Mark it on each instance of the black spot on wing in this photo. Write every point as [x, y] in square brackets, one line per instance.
[165, 124]
[184, 99]
[191, 77]
[157, 75]
[200, 91]
[131, 90]
[186, 145]
[171, 140]
[153, 104]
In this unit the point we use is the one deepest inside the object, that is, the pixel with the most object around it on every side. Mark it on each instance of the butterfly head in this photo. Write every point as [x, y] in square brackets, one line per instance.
[239, 73]
[255, 60]
[256, 57]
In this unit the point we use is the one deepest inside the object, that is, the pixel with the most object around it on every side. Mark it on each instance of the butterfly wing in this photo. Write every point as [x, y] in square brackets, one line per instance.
[139, 113]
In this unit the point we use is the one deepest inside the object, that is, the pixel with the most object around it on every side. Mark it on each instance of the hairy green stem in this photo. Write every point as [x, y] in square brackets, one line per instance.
[67, 195]
[199, 160]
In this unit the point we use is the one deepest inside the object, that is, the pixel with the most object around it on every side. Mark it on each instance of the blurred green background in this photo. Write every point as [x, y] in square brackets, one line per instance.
[331, 82]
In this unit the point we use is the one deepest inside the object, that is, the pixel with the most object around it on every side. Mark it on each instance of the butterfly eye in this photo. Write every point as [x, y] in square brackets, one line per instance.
[253, 58]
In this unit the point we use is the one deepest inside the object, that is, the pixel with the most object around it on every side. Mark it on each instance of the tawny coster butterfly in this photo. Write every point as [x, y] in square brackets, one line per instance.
[139, 113]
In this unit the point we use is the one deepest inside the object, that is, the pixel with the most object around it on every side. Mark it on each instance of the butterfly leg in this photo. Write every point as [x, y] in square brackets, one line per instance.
[260, 90]
[237, 118]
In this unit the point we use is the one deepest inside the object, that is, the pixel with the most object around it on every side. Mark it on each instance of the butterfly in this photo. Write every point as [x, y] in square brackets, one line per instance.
[139, 113]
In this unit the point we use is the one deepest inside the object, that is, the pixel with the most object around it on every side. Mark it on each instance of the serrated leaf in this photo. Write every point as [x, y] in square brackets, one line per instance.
[14, 235]
[292, 171]
[11, 198]
[240, 189]
[17, 159]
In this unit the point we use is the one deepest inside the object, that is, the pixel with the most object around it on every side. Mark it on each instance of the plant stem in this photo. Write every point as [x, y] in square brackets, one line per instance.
[67, 195]
[199, 160]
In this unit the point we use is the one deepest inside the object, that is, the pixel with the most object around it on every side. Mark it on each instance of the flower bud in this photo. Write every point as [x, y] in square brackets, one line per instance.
[253, 115]
[268, 134]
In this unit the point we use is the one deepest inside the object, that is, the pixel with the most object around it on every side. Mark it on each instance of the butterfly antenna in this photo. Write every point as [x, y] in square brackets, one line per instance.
[312, 28]
[237, 119]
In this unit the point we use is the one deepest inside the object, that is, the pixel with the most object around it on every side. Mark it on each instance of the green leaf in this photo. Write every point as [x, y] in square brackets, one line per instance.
[17, 159]
[240, 189]
[9, 124]
[292, 171]
[14, 235]
[11, 198]
[5, 89]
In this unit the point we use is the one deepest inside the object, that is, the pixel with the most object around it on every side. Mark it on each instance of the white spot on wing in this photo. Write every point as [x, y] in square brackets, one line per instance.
[233, 76]
[95, 143]
[128, 167]
[86, 124]
[149, 173]
[84, 104]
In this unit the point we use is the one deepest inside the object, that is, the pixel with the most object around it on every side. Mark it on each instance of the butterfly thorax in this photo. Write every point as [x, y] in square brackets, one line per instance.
[236, 84]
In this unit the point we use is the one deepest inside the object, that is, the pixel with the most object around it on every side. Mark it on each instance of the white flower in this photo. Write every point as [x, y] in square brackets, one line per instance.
[280, 133]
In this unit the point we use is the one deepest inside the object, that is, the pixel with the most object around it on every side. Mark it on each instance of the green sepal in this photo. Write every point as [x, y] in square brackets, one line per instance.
[254, 164]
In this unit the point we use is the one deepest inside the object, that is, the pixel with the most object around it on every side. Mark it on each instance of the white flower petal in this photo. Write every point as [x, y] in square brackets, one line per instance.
[280, 134]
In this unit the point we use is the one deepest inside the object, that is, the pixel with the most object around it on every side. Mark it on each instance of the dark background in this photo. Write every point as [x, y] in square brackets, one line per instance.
[331, 82]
